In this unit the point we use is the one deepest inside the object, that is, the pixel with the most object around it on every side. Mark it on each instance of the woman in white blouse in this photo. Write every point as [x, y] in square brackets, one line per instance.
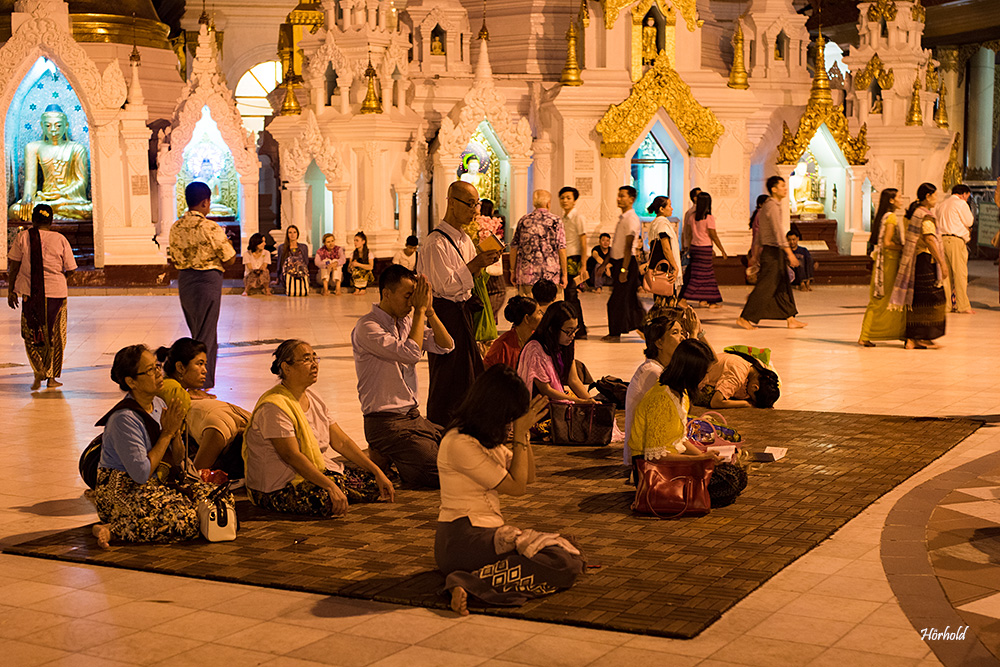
[473, 544]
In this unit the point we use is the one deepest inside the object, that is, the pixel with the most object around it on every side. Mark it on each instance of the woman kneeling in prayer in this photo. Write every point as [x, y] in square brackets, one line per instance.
[137, 497]
[478, 554]
[547, 363]
[291, 442]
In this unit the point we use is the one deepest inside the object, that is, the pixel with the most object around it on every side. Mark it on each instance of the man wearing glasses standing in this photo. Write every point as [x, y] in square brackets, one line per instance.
[449, 261]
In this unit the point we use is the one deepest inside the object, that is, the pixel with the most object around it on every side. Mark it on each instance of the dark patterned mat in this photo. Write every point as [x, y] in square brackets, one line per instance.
[670, 578]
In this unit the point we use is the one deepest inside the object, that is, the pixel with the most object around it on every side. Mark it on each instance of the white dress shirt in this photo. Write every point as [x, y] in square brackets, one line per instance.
[445, 268]
[954, 217]
[628, 225]
[573, 224]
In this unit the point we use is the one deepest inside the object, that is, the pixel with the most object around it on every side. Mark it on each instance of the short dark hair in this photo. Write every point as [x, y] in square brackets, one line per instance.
[519, 307]
[693, 195]
[687, 367]
[392, 275]
[486, 207]
[629, 190]
[772, 183]
[283, 354]
[792, 232]
[412, 240]
[658, 203]
[544, 291]
[196, 192]
[654, 330]
[255, 241]
[182, 352]
[496, 399]
[768, 391]
[961, 189]
[126, 365]
[603, 234]
[570, 189]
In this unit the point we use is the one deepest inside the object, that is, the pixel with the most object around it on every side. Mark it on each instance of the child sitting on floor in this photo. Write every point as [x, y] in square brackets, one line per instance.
[328, 260]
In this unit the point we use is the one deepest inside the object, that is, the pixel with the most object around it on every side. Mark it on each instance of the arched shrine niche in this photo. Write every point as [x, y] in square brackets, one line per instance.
[319, 207]
[208, 159]
[818, 186]
[483, 165]
[47, 161]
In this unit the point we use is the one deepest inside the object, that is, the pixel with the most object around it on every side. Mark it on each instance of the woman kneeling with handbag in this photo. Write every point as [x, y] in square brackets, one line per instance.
[673, 474]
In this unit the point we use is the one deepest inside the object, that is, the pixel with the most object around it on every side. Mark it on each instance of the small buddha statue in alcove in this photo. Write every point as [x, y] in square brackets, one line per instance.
[649, 34]
[437, 48]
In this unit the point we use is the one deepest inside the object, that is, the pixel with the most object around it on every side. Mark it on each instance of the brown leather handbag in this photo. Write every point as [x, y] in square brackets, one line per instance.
[672, 488]
[659, 280]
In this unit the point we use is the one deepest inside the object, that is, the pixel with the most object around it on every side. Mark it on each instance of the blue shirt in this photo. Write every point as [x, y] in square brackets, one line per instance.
[126, 443]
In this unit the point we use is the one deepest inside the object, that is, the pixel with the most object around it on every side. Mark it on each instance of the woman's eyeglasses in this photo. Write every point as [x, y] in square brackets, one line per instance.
[152, 371]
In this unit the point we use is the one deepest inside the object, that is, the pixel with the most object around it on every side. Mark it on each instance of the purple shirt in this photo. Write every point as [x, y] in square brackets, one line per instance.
[538, 238]
[385, 360]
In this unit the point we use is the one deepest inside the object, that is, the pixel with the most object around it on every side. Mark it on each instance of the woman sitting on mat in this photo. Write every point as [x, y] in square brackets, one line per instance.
[472, 542]
[525, 314]
[291, 442]
[737, 380]
[546, 364]
[141, 447]
[659, 426]
[214, 428]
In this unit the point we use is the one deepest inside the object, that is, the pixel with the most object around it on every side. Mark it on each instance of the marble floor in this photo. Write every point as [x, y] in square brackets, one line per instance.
[834, 606]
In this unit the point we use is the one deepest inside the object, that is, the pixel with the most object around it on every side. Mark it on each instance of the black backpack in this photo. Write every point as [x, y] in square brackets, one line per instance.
[614, 389]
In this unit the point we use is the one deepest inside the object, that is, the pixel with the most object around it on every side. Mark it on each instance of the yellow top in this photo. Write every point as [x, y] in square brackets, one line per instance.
[284, 400]
[659, 427]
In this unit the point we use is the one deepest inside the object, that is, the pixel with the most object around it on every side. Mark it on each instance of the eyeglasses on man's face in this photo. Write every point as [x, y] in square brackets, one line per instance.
[472, 205]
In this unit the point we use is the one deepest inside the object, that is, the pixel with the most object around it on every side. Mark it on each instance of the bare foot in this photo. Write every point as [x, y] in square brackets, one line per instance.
[714, 306]
[913, 345]
[796, 324]
[103, 535]
[52, 382]
[866, 343]
[244, 293]
[611, 339]
[37, 384]
[459, 601]
[927, 344]
[746, 324]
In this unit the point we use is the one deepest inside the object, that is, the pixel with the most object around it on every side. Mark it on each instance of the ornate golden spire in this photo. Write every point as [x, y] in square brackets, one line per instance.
[372, 103]
[584, 14]
[738, 74]
[571, 72]
[820, 93]
[941, 113]
[919, 12]
[290, 105]
[134, 57]
[915, 117]
[484, 34]
[204, 18]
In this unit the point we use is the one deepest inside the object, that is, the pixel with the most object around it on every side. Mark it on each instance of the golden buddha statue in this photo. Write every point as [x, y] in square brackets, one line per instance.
[437, 48]
[877, 105]
[805, 191]
[206, 174]
[65, 172]
[649, 41]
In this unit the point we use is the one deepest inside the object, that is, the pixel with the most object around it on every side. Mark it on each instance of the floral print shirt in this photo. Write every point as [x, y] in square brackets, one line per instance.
[198, 243]
[538, 238]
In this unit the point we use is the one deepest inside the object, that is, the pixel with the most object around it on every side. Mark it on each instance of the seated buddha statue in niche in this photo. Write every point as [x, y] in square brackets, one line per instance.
[437, 48]
[206, 174]
[805, 191]
[65, 172]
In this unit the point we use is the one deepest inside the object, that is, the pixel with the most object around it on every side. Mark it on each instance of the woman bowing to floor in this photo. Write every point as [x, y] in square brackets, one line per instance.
[479, 555]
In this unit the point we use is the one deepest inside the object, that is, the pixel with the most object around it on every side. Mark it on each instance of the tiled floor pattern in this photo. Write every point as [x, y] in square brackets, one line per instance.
[834, 606]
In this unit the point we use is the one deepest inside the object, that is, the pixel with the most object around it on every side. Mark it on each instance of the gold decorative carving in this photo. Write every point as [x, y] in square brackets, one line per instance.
[941, 113]
[931, 79]
[915, 117]
[584, 14]
[919, 12]
[882, 10]
[875, 69]
[953, 169]
[638, 48]
[948, 57]
[687, 8]
[372, 103]
[660, 86]
[571, 72]
[738, 73]
[821, 111]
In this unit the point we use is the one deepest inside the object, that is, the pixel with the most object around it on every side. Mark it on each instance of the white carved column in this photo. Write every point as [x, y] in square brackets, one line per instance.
[404, 194]
[250, 205]
[518, 195]
[854, 222]
[541, 151]
[612, 178]
[445, 168]
[423, 229]
[785, 171]
[980, 139]
[700, 173]
[106, 180]
[339, 191]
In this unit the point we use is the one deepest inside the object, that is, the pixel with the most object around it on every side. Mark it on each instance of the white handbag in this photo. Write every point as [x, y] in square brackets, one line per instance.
[216, 518]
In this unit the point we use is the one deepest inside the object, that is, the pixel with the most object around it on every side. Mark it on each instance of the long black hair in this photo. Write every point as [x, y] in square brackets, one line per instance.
[760, 202]
[884, 206]
[658, 327]
[182, 352]
[768, 391]
[687, 367]
[923, 192]
[547, 334]
[496, 399]
[703, 207]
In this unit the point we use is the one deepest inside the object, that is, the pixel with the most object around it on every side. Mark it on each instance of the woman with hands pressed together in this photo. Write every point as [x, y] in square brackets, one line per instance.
[547, 364]
[291, 442]
[473, 544]
[135, 497]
